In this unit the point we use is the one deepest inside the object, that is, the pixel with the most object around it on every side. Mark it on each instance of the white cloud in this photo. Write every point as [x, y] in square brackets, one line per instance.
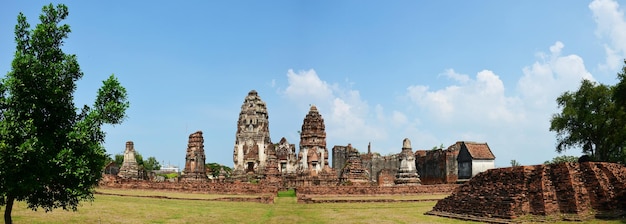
[481, 108]
[345, 113]
[398, 118]
[473, 100]
[611, 26]
[306, 84]
[545, 80]
[450, 73]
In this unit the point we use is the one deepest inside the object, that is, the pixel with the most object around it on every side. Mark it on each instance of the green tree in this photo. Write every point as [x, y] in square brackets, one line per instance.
[590, 120]
[514, 163]
[119, 159]
[151, 164]
[51, 156]
[562, 159]
[215, 168]
[620, 88]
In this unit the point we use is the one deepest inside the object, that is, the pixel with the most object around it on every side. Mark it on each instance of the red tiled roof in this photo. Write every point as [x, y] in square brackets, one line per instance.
[479, 150]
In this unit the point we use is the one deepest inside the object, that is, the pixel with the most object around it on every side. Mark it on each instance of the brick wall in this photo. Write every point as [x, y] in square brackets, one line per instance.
[570, 188]
[198, 187]
[376, 190]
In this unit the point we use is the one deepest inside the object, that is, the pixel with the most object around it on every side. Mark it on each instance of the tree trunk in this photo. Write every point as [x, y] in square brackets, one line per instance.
[8, 209]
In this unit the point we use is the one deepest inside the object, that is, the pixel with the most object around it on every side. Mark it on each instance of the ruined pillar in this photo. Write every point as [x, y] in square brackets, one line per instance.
[195, 170]
[130, 167]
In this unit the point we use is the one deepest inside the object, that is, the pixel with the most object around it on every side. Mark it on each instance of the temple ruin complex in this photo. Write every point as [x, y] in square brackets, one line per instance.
[256, 158]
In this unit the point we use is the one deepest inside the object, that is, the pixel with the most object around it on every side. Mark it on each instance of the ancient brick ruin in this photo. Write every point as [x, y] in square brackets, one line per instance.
[130, 168]
[253, 136]
[257, 159]
[287, 157]
[407, 173]
[353, 171]
[578, 189]
[195, 159]
[459, 162]
[313, 152]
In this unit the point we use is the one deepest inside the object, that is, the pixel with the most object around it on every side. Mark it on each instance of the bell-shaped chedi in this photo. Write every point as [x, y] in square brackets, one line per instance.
[407, 172]
[253, 136]
[195, 170]
[313, 153]
[130, 167]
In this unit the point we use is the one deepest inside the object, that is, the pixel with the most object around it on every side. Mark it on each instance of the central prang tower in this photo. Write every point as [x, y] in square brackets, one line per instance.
[253, 136]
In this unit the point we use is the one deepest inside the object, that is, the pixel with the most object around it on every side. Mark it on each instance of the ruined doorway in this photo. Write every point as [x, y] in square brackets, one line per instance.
[250, 167]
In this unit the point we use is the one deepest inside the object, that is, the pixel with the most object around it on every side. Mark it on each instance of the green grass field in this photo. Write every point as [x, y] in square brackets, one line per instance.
[129, 209]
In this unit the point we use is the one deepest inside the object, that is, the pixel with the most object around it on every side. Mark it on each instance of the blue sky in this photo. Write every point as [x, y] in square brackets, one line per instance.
[435, 72]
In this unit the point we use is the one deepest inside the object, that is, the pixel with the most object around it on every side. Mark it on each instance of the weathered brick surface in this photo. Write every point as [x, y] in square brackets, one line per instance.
[567, 188]
[265, 199]
[376, 190]
[438, 166]
[304, 193]
[195, 187]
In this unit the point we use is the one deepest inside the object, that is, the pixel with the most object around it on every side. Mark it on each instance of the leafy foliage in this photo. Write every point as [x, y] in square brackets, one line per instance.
[514, 163]
[151, 164]
[562, 159]
[214, 169]
[50, 155]
[591, 120]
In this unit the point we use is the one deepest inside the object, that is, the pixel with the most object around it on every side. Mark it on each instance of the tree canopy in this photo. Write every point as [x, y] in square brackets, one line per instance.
[562, 159]
[51, 153]
[215, 169]
[593, 120]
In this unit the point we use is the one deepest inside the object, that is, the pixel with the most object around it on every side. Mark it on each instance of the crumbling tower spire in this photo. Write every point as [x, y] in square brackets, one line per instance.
[195, 159]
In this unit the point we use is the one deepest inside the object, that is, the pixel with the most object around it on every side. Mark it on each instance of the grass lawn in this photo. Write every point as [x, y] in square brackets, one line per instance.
[121, 209]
